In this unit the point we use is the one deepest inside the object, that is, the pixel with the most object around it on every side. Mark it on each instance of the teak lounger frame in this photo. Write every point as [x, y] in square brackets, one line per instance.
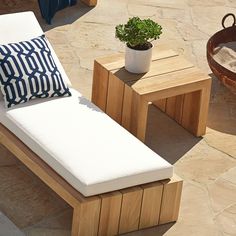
[107, 214]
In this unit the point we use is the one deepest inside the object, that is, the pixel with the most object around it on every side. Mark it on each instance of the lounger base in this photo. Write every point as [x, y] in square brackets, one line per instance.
[107, 214]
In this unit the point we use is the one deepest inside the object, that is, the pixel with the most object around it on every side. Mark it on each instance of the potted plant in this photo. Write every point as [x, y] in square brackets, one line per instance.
[138, 35]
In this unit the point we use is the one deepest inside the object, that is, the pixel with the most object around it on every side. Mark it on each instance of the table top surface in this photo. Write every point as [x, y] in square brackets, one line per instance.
[168, 70]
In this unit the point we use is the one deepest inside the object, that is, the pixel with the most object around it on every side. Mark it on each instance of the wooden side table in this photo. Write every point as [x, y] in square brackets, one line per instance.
[173, 84]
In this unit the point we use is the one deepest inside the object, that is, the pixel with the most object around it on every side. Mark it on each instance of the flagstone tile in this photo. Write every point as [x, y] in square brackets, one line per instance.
[142, 11]
[226, 220]
[26, 201]
[204, 164]
[222, 193]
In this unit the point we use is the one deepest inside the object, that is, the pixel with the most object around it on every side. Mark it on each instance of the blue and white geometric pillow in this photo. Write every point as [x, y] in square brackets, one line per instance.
[28, 71]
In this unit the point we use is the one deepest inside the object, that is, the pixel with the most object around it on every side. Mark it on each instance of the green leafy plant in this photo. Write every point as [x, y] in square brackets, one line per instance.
[137, 33]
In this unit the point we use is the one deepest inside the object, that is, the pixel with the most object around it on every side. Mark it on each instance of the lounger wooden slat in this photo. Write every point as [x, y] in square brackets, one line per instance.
[86, 218]
[130, 209]
[107, 214]
[151, 205]
[110, 213]
[171, 196]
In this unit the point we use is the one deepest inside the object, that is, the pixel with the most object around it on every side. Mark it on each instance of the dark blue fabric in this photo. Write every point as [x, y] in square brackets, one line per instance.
[28, 71]
[49, 8]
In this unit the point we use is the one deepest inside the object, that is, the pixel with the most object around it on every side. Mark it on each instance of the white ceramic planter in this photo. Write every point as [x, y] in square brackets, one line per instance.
[138, 61]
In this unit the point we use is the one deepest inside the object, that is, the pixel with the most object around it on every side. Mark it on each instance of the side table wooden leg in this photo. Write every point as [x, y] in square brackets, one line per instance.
[100, 86]
[195, 109]
[191, 108]
[139, 117]
[115, 94]
[204, 107]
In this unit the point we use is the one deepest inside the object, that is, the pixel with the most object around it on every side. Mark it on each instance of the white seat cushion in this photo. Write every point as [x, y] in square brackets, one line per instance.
[85, 146]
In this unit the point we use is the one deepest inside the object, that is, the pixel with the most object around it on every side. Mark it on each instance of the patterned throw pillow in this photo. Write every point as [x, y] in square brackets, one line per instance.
[28, 71]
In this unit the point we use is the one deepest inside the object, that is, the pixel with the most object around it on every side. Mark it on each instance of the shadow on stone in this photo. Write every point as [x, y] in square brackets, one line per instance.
[166, 137]
[62, 17]
[66, 16]
[25, 199]
[154, 231]
[222, 110]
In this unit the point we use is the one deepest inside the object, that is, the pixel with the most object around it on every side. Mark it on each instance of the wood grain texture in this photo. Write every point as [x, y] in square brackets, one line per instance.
[151, 205]
[158, 67]
[86, 218]
[159, 53]
[161, 104]
[191, 108]
[179, 108]
[110, 213]
[127, 108]
[100, 86]
[90, 3]
[174, 107]
[174, 80]
[115, 96]
[204, 107]
[171, 200]
[139, 117]
[130, 209]
[75, 221]
[117, 61]
[171, 107]
[112, 62]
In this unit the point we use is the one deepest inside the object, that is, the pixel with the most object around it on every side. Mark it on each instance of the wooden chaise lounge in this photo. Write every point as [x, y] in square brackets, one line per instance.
[113, 182]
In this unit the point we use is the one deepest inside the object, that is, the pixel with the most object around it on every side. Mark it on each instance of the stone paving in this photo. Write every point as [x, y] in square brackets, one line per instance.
[208, 165]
